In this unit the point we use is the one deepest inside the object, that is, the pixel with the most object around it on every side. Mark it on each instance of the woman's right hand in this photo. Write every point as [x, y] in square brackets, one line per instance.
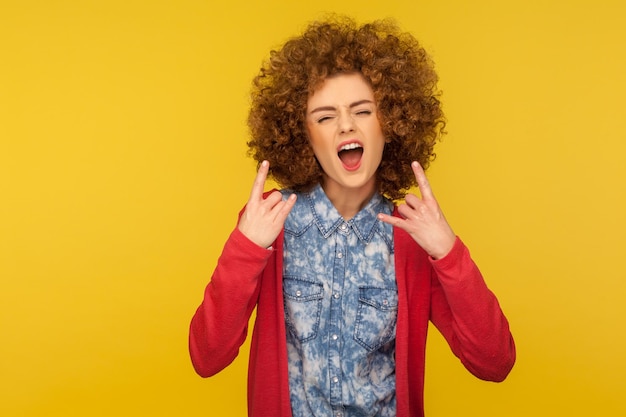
[263, 219]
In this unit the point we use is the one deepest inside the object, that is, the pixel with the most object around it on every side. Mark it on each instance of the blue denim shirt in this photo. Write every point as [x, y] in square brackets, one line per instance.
[341, 304]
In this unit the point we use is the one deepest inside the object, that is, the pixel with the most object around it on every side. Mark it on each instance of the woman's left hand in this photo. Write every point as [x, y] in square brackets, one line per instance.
[423, 219]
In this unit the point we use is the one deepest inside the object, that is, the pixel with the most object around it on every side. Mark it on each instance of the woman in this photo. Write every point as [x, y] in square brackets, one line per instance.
[345, 282]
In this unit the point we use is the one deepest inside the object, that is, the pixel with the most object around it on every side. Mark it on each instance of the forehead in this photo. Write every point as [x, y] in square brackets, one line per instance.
[341, 89]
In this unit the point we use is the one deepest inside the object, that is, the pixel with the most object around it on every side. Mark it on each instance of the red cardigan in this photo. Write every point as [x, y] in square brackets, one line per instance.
[450, 292]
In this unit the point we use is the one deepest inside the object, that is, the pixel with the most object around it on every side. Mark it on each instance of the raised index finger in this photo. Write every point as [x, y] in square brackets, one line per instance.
[259, 182]
[422, 181]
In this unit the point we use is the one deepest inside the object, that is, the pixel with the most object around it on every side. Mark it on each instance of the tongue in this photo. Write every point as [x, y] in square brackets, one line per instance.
[352, 157]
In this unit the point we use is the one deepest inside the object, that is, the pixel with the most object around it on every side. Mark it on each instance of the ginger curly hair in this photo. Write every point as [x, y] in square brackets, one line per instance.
[400, 73]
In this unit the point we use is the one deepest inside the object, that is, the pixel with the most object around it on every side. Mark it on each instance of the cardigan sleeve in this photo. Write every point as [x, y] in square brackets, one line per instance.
[469, 316]
[220, 324]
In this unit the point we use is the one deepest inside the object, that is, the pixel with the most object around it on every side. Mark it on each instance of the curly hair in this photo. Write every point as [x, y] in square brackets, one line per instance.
[403, 80]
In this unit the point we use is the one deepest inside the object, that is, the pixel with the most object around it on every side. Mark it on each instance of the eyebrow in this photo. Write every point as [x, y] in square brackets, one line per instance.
[331, 108]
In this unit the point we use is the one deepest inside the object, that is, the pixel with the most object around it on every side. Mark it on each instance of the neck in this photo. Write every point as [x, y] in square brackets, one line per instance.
[348, 201]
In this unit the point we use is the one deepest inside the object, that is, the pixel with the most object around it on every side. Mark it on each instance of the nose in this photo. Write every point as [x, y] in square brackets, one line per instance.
[345, 122]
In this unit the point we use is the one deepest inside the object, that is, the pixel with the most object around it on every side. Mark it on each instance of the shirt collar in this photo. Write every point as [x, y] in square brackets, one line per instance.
[328, 219]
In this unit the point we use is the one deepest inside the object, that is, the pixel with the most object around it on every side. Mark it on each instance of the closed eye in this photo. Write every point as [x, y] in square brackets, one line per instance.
[324, 118]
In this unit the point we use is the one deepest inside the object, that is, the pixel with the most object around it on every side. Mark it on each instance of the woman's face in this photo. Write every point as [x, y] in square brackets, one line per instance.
[345, 133]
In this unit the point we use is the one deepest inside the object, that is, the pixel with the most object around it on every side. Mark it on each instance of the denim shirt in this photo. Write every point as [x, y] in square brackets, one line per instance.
[341, 301]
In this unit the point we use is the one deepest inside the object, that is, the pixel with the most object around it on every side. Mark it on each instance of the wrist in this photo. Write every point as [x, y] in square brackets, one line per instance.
[444, 248]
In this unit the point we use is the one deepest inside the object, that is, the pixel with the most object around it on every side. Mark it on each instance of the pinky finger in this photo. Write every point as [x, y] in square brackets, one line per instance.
[285, 208]
[392, 220]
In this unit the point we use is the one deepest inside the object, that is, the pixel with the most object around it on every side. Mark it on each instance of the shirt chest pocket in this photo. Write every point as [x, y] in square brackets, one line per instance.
[376, 317]
[303, 307]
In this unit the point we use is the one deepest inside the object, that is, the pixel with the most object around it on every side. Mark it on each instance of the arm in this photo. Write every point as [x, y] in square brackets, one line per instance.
[219, 326]
[468, 315]
[462, 307]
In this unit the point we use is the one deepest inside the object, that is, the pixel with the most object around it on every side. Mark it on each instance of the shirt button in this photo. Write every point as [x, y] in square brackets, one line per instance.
[343, 226]
[334, 337]
[339, 414]
[339, 255]
[385, 302]
[335, 379]
[336, 295]
[298, 293]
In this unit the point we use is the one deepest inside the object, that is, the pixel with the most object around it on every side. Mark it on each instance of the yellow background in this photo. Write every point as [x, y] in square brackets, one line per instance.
[122, 168]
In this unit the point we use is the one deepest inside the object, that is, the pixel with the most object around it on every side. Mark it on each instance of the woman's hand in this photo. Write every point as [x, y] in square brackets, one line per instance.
[263, 219]
[423, 219]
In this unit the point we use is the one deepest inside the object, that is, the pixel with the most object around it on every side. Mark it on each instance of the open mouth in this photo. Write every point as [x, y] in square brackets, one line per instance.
[350, 155]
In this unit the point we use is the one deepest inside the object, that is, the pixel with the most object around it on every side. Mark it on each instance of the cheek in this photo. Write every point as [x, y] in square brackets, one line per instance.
[312, 133]
[378, 136]
[318, 139]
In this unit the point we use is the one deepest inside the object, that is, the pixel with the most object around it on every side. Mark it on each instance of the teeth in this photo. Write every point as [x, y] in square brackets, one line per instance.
[349, 146]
